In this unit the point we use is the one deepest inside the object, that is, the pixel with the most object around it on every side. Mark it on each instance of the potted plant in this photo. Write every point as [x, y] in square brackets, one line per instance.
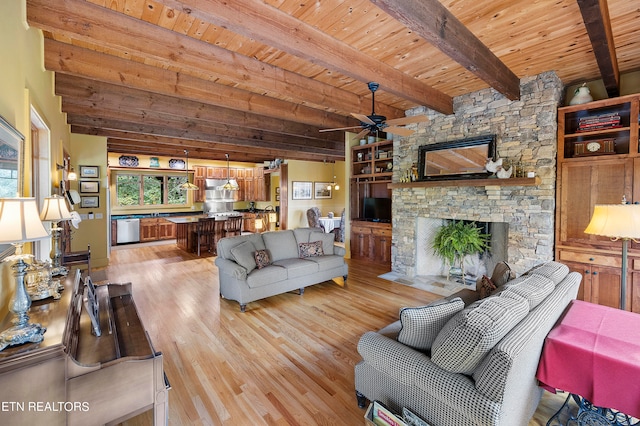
[455, 240]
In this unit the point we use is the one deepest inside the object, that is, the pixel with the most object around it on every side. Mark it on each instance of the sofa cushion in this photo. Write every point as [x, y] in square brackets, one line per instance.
[243, 255]
[265, 276]
[326, 239]
[421, 325]
[555, 271]
[310, 249]
[467, 337]
[326, 263]
[533, 288]
[303, 235]
[281, 245]
[297, 267]
[262, 258]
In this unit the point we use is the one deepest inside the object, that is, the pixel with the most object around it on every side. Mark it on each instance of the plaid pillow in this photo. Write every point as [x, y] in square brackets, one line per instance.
[421, 325]
[311, 249]
[262, 258]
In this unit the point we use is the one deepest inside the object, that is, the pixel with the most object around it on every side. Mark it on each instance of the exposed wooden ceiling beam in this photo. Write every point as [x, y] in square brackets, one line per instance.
[273, 27]
[129, 142]
[95, 95]
[197, 150]
[433, 22]
[67, 59]
[164, 126]
[595, 14]
[83, 21]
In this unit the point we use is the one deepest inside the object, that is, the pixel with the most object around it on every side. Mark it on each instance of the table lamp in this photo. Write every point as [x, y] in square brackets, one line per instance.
[619, 222]
[55, 210]
[20, 223]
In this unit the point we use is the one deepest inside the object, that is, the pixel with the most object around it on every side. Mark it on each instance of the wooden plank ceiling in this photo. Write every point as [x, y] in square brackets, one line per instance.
[259, 79]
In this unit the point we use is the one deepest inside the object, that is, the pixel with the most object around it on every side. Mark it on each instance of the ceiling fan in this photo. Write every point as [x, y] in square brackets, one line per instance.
[378, 123]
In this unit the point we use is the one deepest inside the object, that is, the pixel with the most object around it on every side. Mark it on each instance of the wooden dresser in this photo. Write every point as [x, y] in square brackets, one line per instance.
[75, 378]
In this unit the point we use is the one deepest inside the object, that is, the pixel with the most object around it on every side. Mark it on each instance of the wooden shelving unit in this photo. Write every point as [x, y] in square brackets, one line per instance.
[591, 173]
[371, 173]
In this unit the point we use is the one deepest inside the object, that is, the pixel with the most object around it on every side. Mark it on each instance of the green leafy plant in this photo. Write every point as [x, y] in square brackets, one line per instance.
[455, 240]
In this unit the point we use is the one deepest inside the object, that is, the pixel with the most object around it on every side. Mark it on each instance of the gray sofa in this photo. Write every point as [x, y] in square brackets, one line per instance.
[294, 262]
[472, 365]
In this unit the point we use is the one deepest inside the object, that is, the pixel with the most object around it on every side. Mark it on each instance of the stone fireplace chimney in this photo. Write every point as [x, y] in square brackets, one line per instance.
[525, 131]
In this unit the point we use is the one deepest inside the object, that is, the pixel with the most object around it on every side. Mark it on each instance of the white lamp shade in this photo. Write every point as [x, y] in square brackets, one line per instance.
[19, 221]
[55, 209]
[615, 221]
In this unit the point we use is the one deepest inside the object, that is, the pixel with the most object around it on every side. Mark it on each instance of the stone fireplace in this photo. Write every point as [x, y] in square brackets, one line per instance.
[525, 132]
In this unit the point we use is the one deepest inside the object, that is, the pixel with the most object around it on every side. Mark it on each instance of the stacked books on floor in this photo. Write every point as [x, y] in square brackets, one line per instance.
[379, 415]
[599, 122]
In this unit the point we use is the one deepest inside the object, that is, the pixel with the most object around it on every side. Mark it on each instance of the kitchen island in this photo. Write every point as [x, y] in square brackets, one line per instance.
[184, 227]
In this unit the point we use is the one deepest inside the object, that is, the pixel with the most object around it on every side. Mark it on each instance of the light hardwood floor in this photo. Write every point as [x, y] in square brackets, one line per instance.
[288, 360]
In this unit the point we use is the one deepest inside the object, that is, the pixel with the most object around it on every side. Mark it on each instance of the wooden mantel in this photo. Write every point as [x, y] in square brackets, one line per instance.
[468, 182]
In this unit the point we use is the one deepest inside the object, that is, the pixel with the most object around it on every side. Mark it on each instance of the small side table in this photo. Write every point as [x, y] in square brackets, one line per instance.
[594, 352]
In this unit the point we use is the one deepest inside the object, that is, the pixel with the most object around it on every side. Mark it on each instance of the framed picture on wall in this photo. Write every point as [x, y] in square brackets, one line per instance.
[89, 186]
[301, 190]
[322, 190]
[90, 172]
[89, 202]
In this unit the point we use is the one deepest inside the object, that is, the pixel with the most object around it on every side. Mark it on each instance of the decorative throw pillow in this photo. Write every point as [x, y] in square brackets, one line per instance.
[262, 259]
[311, 249]
[485, 287]
[421, 325]
[243, 255]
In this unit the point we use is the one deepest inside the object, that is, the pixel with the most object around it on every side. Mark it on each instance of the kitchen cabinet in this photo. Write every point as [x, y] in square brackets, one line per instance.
[114, 232]
[148, 229]
[154, 229]
[598, 162]
[254, 186]
[261, 185]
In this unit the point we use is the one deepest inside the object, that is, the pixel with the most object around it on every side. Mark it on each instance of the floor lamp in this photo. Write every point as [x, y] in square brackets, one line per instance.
[619, 222]
[20, 223]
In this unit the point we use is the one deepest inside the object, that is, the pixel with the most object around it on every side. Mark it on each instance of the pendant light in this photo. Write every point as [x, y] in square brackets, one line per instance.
[188, 186]
[229, 185]
[333, 184]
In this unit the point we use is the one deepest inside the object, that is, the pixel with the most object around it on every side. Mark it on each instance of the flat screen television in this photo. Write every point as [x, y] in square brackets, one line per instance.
[376, 209]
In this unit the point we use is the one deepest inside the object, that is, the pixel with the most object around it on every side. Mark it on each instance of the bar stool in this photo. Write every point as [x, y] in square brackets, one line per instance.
[218, 232]
[233, 226]
[204, 233]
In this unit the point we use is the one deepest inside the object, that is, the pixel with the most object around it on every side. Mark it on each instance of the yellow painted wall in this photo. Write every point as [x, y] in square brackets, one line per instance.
[629, 84]
[309, 171]
[24, 83]
[91, 151]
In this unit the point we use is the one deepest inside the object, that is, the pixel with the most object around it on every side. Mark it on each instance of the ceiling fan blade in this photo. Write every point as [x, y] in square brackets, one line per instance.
[400, 131]
[340, 128]
[361, 134]
[407, 120]
[363, 118]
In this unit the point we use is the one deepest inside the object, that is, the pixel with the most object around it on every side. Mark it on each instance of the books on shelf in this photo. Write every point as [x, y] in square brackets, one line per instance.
[599, 122]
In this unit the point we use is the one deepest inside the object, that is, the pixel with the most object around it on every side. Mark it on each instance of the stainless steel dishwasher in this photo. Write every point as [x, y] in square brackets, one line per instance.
[127, 231]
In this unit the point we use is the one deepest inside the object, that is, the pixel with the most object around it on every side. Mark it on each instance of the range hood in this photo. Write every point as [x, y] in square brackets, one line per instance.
[215, 190]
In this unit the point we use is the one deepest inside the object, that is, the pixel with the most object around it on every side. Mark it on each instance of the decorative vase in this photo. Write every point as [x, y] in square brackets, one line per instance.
[582, 96]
